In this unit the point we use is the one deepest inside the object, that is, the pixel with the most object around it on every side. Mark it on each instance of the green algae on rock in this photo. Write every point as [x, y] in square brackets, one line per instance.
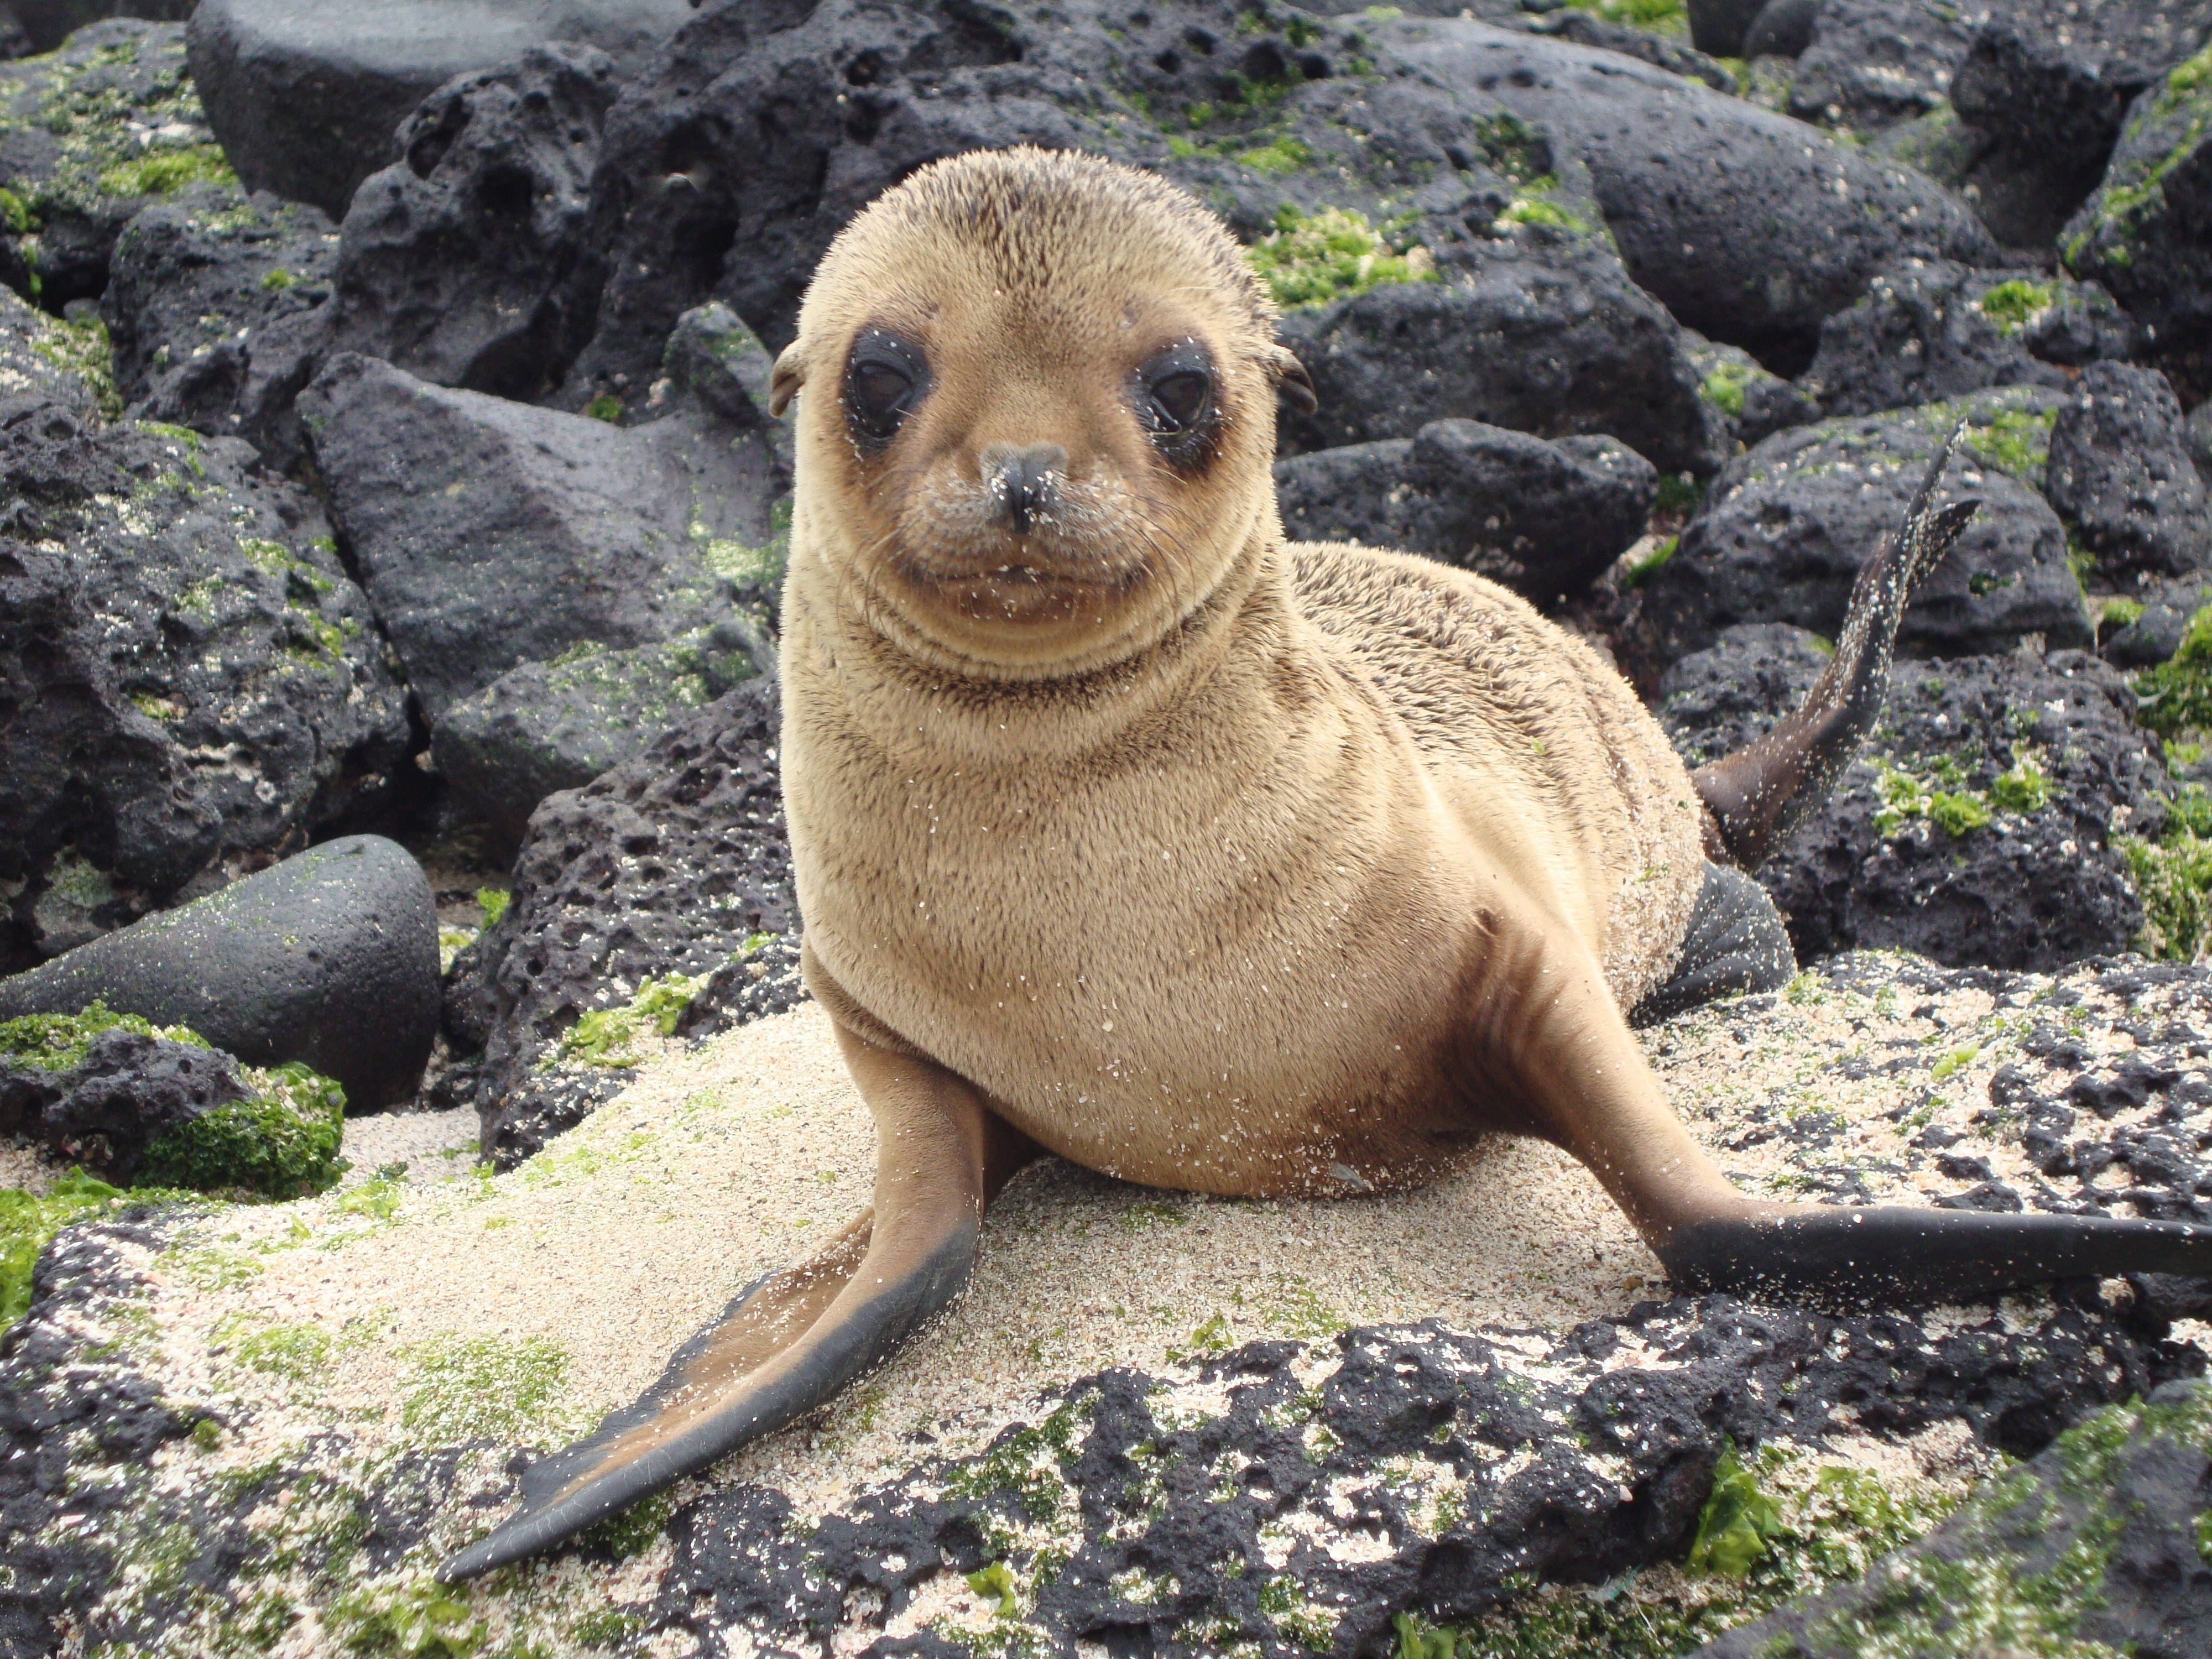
[90, 134]
[272, 1133]
[1309, 259]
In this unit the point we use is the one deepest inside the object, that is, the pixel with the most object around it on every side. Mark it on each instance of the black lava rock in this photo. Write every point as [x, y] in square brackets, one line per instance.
[212, 308]
[668, 867]
[330, 958]
[1782, 532]
[306, 99]
[2049, 83]
[1753, 402]
[2155, 634]
[2147, 232]
[1543, 519]
[465, 261]
[1782, 28]
[188, 678]
[127, 1089]
[1717, 26]
[2198, 435]
[2120, 473]
[1870, 64]
[46, 24]
[698, 197]
[1748, 227]
[1934, 329]
[490, 534]
[42, 363]
[1976, 828]
[1588, 29]
[2120, 1496]
[544, 728]
[89, 135]
[1559, 346]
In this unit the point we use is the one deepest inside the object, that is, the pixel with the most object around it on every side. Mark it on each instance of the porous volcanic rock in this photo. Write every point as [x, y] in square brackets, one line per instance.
[89, 135]
[189, 679]
[329, 959]
[1782, 28]
[1586, 28]
[2147, 232]
[1934, 328]
[2120, 473]
[1783, 530]
[1297, 1487]
[1543, 519]
[2155, 633]
[1753, 402]
[306, 99]
[1263, 120]
[211, 309]
[42, 363]
[1872, 63]
[465, 261]
[1978, 826]
[490, 533]
[1560, 346]
[1717, 26]
[669, 870]
[544, 728]
[2048, 84]
[2197, 433]
[1772, 228]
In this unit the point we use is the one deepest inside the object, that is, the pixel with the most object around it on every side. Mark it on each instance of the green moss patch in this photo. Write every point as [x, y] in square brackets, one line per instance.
[1724, 388]
[82, 349]
[1938, 791]
[2013, 305]
[481, 1388]
[165, 171]
[58, 1042]
[2174, 879]
[608, 1036]
[1660, 16]
[281, 1141]
[1309, 259]
[2176, 695]
[28, 1220]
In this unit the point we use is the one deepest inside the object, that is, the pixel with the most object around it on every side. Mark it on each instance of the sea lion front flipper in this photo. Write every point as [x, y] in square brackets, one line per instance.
[790, 1342]
[1575, 1069]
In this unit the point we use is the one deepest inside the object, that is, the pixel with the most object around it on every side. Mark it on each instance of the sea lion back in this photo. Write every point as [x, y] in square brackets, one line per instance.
[1486, 687]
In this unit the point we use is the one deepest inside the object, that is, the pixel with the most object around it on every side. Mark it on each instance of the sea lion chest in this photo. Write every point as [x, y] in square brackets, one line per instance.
[1212, 946]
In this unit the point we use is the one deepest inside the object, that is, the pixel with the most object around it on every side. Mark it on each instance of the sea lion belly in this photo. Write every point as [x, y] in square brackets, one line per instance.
[1186, 956]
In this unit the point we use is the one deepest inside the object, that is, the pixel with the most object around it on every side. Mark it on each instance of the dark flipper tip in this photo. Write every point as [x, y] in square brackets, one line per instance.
[1924, 1255]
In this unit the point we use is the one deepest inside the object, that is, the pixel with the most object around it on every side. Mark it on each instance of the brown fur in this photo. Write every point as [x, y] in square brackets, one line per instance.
[1195, 889]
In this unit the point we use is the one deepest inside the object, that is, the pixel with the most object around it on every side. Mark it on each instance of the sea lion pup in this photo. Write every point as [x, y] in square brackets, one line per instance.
[1127, 831]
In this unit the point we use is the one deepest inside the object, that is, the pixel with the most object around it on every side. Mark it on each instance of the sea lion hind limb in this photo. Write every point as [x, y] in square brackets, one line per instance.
[790, 1342]
[1763, 792]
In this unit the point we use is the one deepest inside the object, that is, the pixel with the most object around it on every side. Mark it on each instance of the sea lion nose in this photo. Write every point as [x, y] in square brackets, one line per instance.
[1023, 481]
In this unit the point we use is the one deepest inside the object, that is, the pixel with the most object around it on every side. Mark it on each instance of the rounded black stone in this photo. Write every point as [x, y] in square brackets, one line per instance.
[330, 958]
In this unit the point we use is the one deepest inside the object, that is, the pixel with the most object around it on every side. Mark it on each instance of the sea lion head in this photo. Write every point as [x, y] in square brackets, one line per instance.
[1039, 420]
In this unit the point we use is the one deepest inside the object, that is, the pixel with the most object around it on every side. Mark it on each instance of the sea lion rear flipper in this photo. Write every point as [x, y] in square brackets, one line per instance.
[1575, 1068]
[1762, 792]
[791, 1341]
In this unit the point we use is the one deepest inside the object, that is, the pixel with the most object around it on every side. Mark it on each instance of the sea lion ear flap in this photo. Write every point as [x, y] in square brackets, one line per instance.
[1293, 384]
[785, 379]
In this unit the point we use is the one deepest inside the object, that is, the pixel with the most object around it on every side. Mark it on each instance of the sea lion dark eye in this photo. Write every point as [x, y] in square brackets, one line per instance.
[885, 378]
[1182, 399]
[1174, 400]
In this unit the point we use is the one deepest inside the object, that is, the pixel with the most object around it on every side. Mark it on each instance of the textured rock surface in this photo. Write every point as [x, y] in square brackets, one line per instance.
[1753, 402]
[305, 98]
[1544, 519]
[2121, 475]
[543, 727]
[1558, 347]
[667, 871]
[460, 261]
[188, 679]
[1934, 329]
[2147, 231]
[211, 309]
[41, 362]
[1296, 1479]
[1773, 229]
[1872, 63]
[1259, 117]
[1978, 825]
[490, 533]
[1783, 530]
[2049, 83]
[331, 958]
[2117, 1501]
[89, 135]
[47, 23]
